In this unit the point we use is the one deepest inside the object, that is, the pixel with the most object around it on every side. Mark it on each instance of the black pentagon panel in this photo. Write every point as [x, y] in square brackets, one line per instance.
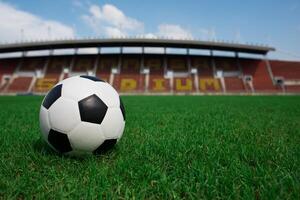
[52, 96]
[92, 78]
[59, 141]
[92, 109]
[122, 109]
[105, 146]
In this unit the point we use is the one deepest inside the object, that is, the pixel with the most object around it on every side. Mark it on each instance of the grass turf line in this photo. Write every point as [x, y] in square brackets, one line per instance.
[173, 147]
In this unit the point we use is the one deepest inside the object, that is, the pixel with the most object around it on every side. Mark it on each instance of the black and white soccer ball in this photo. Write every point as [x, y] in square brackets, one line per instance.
[82, 114]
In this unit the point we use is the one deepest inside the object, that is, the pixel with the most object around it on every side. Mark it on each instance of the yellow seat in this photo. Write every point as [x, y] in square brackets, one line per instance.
[44, 84]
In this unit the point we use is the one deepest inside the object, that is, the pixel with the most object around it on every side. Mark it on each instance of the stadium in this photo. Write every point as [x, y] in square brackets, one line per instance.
[147, 66]
[160, 115]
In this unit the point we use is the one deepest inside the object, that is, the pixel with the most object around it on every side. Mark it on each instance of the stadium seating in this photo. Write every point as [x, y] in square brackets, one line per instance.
[32, 64]
[157, 83]
[154, 64]
[209, 85]
[292, 88]
[234, 84]
[83, 63]
[129, 83]
[105, 65]
[177, 64]
[130, 65]
[43, 85]
[184, 85]
[226, 64]
[7, 68]
[57, 64]
[129, 79]
[262, 81]
[207, 82]
[204, 66]
[54, 73]
[19, 84]
[287, 70]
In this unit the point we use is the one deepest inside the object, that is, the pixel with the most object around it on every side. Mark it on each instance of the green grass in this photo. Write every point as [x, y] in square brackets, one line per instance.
[210, 147]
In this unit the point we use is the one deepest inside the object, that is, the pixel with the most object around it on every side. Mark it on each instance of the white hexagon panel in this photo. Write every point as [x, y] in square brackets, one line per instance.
[64, 115]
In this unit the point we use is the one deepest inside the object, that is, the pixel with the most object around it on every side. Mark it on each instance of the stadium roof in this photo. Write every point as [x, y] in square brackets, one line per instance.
[134, 42]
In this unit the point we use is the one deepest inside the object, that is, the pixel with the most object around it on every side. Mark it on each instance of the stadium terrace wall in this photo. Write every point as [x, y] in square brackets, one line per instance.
[141, 73]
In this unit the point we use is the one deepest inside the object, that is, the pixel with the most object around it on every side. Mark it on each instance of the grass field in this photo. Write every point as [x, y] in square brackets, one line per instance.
[210, 147]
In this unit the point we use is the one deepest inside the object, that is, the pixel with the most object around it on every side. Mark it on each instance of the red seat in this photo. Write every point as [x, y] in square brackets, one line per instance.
[105, 65]
[287, 70]
[293, 88]
[8, 66]
[177, 64]
[234, 84]
[83, 63]
[226, 64]
[203, 64]
[57, 64]
[32, 64]
[20, 84]
[262, 81]
[154, 64]
[157, 83]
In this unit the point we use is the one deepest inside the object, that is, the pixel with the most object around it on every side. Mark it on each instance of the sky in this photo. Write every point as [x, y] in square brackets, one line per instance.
[270, 22]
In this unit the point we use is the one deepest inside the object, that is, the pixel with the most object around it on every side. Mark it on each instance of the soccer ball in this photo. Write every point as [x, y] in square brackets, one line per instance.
[82, 114]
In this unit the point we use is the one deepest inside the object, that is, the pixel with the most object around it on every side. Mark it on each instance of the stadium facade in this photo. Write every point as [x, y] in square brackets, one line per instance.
[148, 66]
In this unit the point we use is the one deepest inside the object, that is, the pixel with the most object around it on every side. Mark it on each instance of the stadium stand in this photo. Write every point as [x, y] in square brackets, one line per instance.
[207, 81]
[210, 85]
[154, 63]
[226, 64]
[203, 65]
[177, 64]
[20, 85]
[292, 88]
[83, 63]
[154, 73]
[57, 64]
[257, 69]
[7, 68]
[54, 72]
[157, 81]
[32, 64]
[185, 85]
[43, 85]
[232, 75]
[234, 84]
[288, 73]
[104, 67]
[129, 79]
[286, 69]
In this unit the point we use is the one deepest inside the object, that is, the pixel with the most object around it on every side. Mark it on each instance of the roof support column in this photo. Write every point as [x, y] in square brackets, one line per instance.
[24, 53]
[188, 60]
[238, 63]
[73, 60]
[51, 52]
[165, 61]
[142, 60]
[97, 61]
[268, 64]
[21, 61]
[120, 59]
[144, 73]
[213, 64]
